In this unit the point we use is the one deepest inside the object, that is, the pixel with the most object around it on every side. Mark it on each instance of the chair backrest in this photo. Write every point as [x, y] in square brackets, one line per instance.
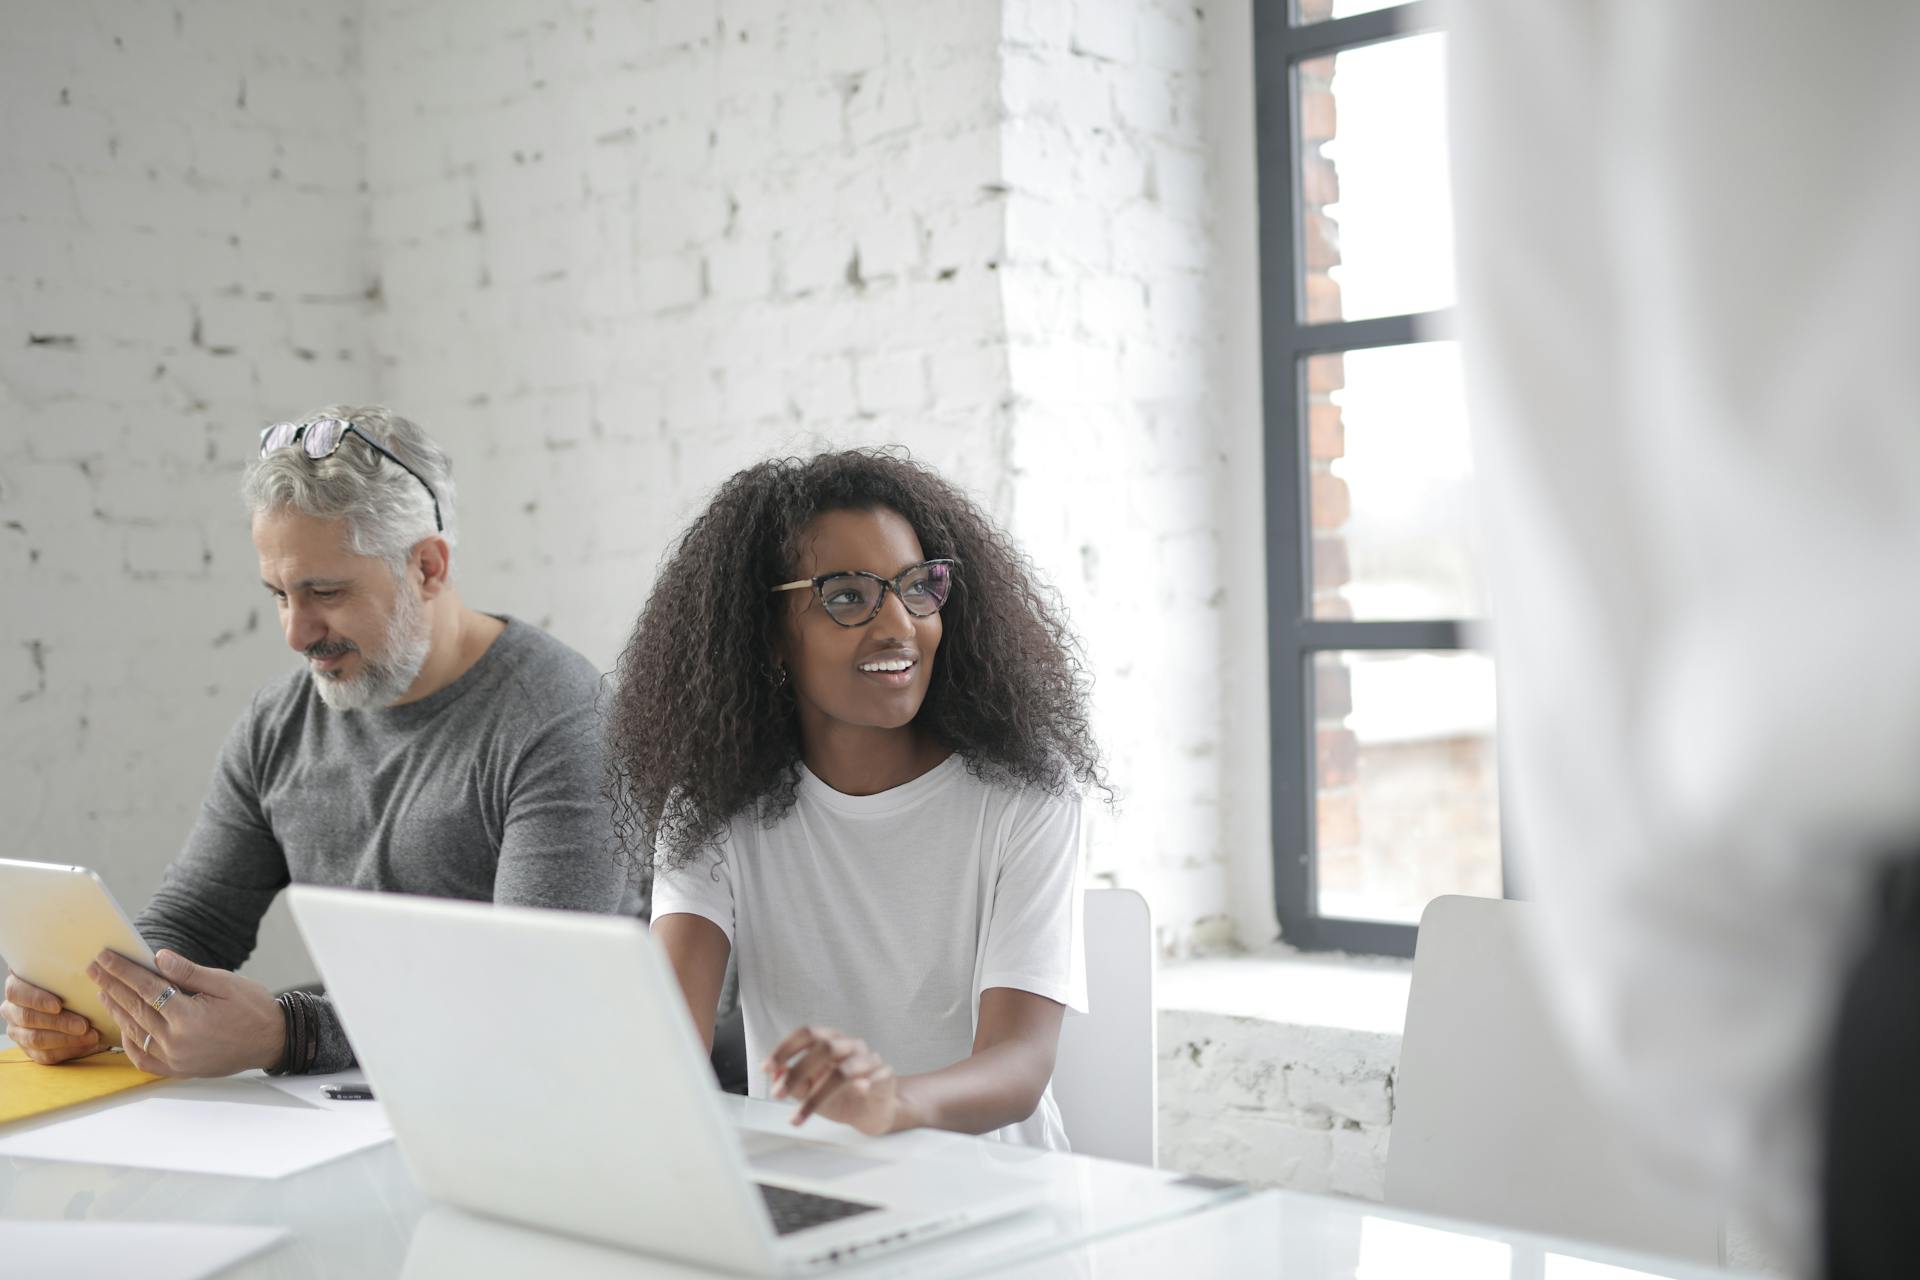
[1104, 1075]
[1493, 1120]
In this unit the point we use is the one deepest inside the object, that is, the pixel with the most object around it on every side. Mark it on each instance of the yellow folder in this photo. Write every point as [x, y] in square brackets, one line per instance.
[29, 1089]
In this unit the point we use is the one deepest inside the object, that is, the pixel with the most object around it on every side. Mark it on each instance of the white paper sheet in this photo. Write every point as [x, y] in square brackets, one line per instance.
[115, 1250]
[193, 1136]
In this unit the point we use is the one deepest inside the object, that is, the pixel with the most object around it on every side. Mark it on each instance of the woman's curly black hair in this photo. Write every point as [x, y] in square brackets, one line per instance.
[701, 731]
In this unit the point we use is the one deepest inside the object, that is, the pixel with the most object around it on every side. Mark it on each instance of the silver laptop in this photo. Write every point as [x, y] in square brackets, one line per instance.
[541, 1066]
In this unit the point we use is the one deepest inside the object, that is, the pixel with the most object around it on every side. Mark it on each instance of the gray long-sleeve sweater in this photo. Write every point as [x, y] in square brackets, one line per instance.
[489, 789]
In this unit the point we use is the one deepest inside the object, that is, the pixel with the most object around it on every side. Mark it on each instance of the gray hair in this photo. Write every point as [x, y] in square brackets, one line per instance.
[386, 510]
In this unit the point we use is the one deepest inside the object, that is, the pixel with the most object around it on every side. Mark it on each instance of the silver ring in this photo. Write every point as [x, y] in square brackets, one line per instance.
[160, 1001]
[146, 1046]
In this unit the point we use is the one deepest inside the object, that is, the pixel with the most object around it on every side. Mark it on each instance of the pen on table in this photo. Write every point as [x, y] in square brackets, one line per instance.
[348, 1092]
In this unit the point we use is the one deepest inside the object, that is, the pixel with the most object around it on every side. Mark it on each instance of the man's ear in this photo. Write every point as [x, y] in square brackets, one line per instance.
[431, 565]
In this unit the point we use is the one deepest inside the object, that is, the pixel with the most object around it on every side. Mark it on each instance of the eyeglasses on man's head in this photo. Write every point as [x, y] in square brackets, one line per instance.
[321, 436]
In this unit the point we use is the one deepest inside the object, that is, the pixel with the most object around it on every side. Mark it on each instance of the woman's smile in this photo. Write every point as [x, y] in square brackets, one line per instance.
[896, 668]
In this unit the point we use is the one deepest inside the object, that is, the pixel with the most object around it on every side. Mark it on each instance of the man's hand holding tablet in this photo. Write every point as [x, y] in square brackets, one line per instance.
[43, 1028]
[54, 920]
[190, 1020]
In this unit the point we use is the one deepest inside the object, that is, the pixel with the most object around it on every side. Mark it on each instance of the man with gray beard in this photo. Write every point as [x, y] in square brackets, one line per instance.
[424, 747]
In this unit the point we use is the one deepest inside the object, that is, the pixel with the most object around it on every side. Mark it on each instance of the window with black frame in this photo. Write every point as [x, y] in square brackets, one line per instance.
[1385, 792]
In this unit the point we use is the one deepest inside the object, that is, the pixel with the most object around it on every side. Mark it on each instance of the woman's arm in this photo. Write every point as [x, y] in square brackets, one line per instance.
[998, 1084]
[697, 949]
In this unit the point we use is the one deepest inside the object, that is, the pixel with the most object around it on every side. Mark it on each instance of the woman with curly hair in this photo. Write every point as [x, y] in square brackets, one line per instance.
[850, 731]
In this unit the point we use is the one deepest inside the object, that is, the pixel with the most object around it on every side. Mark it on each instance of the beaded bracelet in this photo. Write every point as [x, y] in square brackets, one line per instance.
[285, 1001]
[302, 1033]
[309, 1027]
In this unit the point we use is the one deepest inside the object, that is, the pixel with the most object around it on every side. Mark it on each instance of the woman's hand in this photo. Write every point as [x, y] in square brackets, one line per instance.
[998, 1084]
[837, 1076]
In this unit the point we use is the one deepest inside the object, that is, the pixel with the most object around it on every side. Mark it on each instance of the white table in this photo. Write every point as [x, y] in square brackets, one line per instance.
[363, 1217]
[1273, 1234]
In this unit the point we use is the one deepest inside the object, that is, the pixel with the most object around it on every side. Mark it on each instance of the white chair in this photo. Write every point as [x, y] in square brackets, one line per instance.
[1492, 1119]
[1104, 1077]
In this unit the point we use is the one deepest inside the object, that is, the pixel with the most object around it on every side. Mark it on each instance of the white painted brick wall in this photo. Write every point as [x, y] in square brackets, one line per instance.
[1307, 1108]
[180, 261]
[609, 254]
[1116, 403]
[680, 239]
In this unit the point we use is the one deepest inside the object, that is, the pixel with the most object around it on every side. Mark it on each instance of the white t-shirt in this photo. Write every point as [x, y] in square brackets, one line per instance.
[886, 916]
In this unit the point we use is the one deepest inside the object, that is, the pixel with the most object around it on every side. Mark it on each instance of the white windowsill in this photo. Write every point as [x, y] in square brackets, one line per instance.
[1280, 985]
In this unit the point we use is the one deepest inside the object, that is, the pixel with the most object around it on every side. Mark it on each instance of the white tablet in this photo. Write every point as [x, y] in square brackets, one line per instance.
[53, 921]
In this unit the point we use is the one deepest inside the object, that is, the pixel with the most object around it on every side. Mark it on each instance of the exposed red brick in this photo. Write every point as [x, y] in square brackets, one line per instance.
[1331, 606]
[1319, 182]
[1326, 433]
[1323, 298]
[1325, 373]
[1332, 690]
[1328, 497]
[1320, 237]
[1330, 567]
[1336, 757]
[1318, 115]
[1339, 819]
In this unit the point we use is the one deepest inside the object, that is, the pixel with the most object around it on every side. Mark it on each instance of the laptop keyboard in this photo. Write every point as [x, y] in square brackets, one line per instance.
[797, 1210]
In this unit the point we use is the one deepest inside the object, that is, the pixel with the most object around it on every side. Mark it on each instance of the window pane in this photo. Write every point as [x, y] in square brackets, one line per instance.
[1377, 222]
[1390, 486]
[1406, 799]
[1308, 11]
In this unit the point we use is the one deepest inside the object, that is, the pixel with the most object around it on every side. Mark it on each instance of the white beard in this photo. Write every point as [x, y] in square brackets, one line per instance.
[382, 681]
